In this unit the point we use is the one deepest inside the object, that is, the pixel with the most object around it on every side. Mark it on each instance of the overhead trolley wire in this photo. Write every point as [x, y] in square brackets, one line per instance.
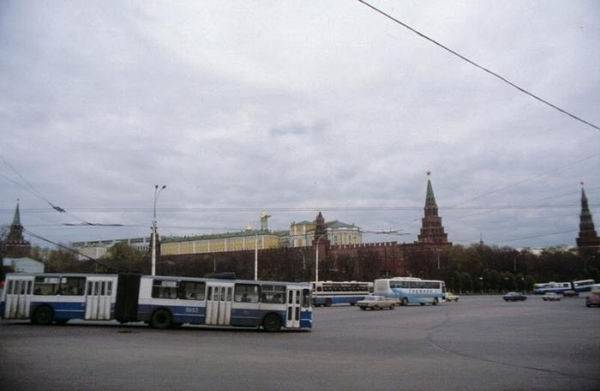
[529, 179]
[496, 75]
[27, 186]
[71, 250]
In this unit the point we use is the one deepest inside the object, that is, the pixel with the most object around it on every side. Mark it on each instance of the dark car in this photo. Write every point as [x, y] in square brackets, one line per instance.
[514, 296]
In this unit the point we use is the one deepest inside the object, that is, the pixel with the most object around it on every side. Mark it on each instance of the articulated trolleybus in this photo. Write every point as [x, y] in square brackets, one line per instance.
[561, 287]
[326, 293]
[411, 290]
[161, 302]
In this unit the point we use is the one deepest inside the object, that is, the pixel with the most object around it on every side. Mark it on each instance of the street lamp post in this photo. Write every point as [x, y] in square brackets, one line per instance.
[256, 257]
[157, 191]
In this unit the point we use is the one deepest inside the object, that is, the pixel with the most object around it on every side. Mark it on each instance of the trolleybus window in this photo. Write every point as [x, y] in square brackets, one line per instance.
[305, 298]
[46, 286]
[72, 286]
[164, 289]
[192, 290]
[246, 293]
[272, 294]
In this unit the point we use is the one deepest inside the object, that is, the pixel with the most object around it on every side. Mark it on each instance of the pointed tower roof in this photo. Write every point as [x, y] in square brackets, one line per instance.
[320, 227]
[587, 239]
[430, 197]
[432, 231]
[17, 216]
[15, 245]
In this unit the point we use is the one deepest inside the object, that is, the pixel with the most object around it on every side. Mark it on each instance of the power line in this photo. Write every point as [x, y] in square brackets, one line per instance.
[523, 90]
[27, 186]
[537, 236]
[299, 209]
[71, 250]
[528, 179]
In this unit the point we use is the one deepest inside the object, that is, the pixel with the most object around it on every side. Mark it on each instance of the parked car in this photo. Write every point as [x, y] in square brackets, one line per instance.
[451, 297]
[514, 296]
[373, 302]
[551, 296]
[570, 293]
[593, 299]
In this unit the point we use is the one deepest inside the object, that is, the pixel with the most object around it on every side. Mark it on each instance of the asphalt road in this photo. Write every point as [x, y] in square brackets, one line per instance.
[479, 343]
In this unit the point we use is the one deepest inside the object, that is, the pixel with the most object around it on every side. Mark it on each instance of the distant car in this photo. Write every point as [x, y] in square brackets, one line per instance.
[451, 297]
[551, 296]
[373, 302]
[570, 293]
[514, 296]
[593, 299]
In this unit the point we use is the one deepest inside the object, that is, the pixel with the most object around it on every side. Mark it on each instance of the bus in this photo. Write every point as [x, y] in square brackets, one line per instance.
[583, 285]
[326, 293]
[160, 301]
[556, 287]
[561, 287]
[411, 290]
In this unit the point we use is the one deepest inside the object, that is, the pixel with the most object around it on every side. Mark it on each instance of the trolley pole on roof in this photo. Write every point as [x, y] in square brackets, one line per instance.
[157, 191]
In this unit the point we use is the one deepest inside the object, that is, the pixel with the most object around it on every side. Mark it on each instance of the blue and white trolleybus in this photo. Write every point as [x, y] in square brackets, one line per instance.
[326, 293]
[160, 301]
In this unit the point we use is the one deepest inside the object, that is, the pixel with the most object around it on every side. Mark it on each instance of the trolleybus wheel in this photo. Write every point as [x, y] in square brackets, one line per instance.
[404, 301]
[42, 315]
[435, 301]
[327, 302]
[272, 323]
[161, 319]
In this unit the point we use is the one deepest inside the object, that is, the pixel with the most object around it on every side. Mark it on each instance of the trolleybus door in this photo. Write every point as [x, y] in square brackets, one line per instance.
[18, 297]
[218, 304]
[294, 297]
[98, 296]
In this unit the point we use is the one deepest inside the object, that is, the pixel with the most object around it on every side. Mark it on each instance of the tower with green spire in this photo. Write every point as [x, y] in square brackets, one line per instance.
[587, 241]
[432, 231]
[15, 245]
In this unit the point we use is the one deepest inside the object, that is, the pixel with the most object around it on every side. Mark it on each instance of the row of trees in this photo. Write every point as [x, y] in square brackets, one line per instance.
[480, 268]
[476, 268]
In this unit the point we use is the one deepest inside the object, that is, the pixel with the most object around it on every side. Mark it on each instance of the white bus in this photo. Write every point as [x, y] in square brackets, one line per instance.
[162, 302]
[411, 290]
[326, 293]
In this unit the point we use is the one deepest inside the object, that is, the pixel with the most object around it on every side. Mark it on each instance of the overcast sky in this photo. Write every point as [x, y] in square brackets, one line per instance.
[296, 106]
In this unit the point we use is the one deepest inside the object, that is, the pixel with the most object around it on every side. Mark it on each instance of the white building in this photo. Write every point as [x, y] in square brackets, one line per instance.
[98, 248]
[24, 265]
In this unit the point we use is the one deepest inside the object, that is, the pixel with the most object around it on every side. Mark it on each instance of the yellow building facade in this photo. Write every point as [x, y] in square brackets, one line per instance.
[234, 241]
